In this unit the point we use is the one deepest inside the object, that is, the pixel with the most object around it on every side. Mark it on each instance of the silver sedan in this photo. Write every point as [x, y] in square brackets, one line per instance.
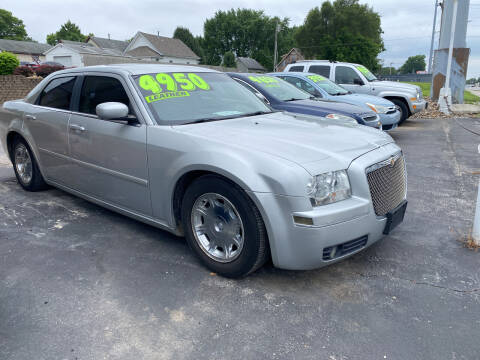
[190, 151]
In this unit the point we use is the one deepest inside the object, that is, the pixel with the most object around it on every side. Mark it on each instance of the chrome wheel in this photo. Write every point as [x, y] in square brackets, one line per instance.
[217, 227]
[23, 163]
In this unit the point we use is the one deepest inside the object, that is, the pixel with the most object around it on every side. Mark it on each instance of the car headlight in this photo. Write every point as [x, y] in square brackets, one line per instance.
[419, 94]
[341, 117]
[329, 188]
[379, 109]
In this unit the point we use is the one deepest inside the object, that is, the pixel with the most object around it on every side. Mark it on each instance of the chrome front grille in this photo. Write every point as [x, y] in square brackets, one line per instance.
[387, 181]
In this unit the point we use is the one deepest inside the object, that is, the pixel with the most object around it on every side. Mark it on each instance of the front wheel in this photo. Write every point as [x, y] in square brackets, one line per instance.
[224, 227]
[403, 108]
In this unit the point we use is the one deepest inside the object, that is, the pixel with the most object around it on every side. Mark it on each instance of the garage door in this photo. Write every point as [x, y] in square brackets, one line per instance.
[64, 60]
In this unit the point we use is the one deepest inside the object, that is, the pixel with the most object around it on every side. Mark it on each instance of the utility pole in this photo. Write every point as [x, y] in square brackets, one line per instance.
[451, 62]
[430, 59]
[277, 29]
[445, 99]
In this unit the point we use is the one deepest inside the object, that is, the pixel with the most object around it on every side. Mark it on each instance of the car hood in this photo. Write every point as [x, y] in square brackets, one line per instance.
[363, 99]
[328, 106]
[390, 85]
[301, 139]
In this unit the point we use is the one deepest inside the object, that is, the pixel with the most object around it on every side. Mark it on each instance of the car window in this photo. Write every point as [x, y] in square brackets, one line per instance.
[277, 88]
[296, 69]
[346, 75]
[58, 93]
[368, 75]
[323, 70]
[327, 85]
[301, 84]
[181, 98]
[100, 89]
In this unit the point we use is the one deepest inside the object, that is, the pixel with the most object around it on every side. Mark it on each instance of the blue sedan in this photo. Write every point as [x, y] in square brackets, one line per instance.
[323, 88]
[281, 95]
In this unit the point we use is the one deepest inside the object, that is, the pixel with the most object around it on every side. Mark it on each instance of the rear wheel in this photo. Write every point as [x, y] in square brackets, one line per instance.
[26, 167]
[224, 227]
[403, 108]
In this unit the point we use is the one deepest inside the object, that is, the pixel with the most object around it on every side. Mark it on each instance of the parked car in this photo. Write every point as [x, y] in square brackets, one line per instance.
[321, 87]
[53, 63]
[189, 150]
[281, 95]
[358, 79]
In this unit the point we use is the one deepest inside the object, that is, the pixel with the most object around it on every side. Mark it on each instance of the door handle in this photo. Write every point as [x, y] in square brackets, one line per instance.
[30, 117]
[77, 127]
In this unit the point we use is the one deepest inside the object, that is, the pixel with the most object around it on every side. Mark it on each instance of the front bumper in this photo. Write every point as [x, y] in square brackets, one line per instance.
[390, 121]
[301, 247]
[417, 106]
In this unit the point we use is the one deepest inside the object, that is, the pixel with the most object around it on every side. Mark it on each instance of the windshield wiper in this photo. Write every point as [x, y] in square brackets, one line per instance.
[295, 99]
[204, 120]
[258, 113]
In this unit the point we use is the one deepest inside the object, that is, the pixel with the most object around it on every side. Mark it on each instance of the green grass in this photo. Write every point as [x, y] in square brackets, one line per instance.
[468, 97]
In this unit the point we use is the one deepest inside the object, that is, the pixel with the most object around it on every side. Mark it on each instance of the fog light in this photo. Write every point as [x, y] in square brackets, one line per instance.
[301, 220]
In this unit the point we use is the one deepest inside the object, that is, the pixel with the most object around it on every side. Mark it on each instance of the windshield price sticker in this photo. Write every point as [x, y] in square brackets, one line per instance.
[317, 78]
[168, 86]
[268, 81]
[363, 70]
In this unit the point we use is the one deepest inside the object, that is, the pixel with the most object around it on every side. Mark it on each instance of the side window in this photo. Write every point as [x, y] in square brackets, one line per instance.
[346, 75]
[100, 89]
[323, 70]
[296, 69]
[301, 84]
[58, 93]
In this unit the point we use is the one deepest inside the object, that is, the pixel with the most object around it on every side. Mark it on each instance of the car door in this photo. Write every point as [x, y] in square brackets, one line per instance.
[350, 79]
[109, 159]
[47, 122]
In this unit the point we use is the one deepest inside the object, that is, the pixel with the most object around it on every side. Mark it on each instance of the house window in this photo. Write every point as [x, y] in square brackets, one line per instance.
[170, 61]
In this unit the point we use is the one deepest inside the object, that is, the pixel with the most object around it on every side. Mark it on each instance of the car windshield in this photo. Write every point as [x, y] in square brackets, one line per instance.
[367, 73]
[181, 98]
[327, 85]
[279, 88]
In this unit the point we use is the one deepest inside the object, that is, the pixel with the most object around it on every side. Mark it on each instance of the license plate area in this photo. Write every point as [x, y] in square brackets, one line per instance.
[395, 217]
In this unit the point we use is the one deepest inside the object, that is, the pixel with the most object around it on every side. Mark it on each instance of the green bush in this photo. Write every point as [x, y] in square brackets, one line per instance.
[229, 59]
[8, 63]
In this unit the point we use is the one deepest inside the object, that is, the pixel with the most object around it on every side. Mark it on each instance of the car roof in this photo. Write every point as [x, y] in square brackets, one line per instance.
[303, 62]
[295, 73]
[136, 69]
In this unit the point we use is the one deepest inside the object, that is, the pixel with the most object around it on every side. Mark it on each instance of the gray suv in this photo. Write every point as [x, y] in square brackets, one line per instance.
[358, 79]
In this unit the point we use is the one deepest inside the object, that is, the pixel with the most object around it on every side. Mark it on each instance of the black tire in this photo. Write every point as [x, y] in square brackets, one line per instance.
[37, 183]
[405, 113]
[254, 252]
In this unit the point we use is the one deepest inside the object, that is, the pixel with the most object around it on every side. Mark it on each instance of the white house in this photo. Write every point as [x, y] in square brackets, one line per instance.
[161, 49]
[143, 48]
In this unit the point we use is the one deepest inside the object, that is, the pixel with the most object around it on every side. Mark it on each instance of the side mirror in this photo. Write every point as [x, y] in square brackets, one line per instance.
[358, 81]
[111, 110]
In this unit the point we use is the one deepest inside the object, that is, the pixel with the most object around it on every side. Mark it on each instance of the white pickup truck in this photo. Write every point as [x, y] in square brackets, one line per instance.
[358, 79]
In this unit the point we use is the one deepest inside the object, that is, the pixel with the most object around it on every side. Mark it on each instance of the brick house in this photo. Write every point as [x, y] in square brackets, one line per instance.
[292, 56]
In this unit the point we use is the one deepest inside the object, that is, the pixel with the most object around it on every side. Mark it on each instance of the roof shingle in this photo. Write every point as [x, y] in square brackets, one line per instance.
[23, 47]
[170, 47]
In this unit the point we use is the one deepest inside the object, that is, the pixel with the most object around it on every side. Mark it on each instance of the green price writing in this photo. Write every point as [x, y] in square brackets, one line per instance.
[171, 85]
[264, 79]
[317, 78]
[363, 70]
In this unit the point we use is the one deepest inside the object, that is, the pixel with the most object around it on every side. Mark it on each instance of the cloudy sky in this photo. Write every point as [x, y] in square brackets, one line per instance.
[407, 24]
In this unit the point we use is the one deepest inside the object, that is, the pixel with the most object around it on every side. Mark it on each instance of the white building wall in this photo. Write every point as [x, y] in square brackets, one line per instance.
[76, 58]
[175, 60]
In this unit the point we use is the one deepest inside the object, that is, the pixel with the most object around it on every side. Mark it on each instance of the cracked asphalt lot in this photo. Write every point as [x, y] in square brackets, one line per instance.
[80, 282]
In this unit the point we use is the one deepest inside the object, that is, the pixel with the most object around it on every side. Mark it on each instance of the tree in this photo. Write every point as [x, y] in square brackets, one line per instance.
[390, 70]
[342, 31]
[68, 31]
[192, 42]
[229, 59]
[413, 64]
[11, 27]
[8, 63]
[247, 33]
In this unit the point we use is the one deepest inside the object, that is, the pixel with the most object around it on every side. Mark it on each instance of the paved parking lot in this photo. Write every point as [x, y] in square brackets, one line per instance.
[81, 282]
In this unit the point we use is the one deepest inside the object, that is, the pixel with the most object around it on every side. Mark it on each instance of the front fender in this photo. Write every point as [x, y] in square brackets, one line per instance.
[253, 171]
